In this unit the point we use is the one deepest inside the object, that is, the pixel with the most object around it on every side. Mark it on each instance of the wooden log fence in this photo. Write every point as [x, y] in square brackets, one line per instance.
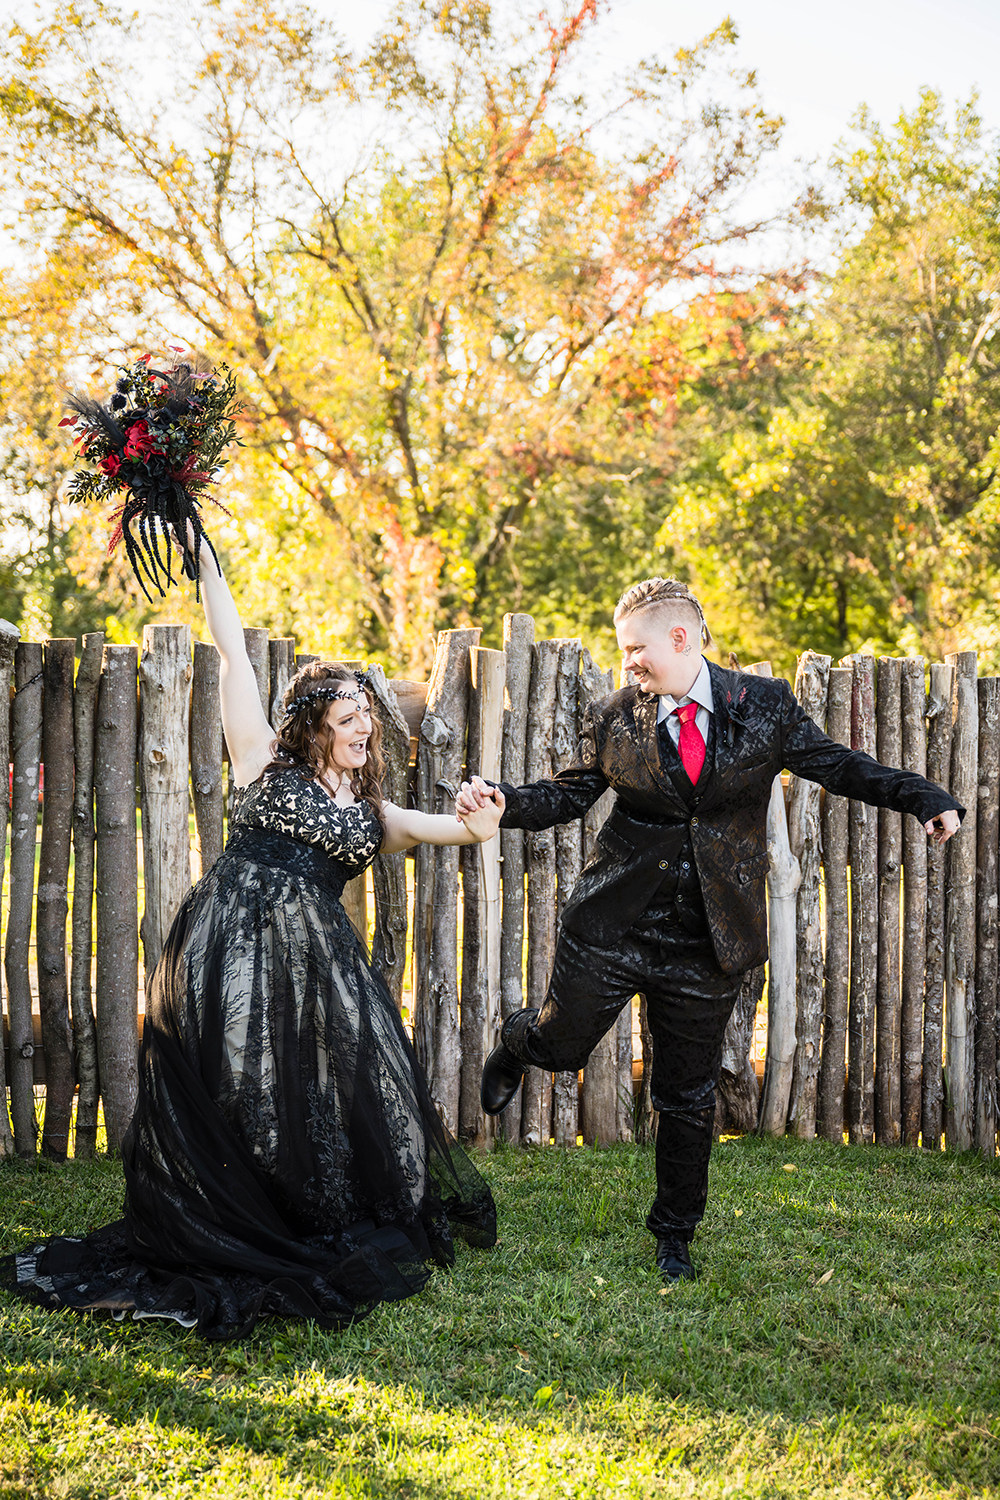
[882, 989]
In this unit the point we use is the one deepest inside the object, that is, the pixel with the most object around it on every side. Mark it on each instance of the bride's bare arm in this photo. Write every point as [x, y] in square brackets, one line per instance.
[405, 827]
[248, 734]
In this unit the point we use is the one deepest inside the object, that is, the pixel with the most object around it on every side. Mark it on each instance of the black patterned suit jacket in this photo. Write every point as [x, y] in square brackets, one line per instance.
[760, 730]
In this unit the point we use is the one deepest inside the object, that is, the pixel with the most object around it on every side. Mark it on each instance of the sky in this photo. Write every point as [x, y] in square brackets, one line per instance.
[816, 63]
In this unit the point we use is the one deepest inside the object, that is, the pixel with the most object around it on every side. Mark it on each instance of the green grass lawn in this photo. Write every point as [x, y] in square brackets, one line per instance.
[556, 1365]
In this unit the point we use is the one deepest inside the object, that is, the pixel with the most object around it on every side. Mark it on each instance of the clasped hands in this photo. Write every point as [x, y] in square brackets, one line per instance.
[480, 807]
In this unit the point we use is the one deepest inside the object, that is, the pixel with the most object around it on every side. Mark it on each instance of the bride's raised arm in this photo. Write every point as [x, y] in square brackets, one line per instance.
[248, 734]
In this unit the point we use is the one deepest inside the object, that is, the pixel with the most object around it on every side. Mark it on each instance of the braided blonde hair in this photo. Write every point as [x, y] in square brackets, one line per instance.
[668, 593]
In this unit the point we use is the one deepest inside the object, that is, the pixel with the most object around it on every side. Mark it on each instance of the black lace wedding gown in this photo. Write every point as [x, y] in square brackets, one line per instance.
[285, 1156]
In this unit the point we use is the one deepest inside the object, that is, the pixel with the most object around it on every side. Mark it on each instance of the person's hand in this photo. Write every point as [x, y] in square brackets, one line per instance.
[473, 795]
[940, 829]
[484, 820]
[175, 540]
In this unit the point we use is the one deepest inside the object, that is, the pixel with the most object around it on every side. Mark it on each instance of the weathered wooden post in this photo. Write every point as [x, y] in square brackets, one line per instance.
[518, 643]
[117, 889]
[960, 916]
[889, 748]
[26, 733]
[738, 1093]
[913, 701]
[987, 827]
[9, 636]
[389, 870]
[569, 862]
[536, 1091]
[601, 1105]
[939, 738]
[836, 968]
[811, 681]
[206, 756]
[782, 884]
[281, 667]
[164, 734]
[52, 904]
[480, 1015]
[255, 638]
[440, 759]
[864, 921]
[88, 676]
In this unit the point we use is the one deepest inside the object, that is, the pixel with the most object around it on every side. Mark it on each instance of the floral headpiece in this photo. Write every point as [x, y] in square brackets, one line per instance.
[324, 695]
[159, 441]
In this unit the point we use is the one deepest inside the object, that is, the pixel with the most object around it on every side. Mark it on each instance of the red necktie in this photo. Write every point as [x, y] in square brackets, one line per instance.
[690, 743]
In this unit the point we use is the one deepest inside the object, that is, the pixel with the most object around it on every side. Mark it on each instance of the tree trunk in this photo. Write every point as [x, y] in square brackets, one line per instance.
[26, 733]
[889, 743]
[738, 1093]
[599, 1104]
[836, 969]
[206, 756]
[569, 862]
[440, 760]
[518, 642]
[480, 1013]
[960, 913]
[987, 824]
[9, 636]
[52, 901]
[913, 701]
[536, 1110]
[939, 738]
[782, 884]
[164, 735]
[88, 678]
[389, 870]
[117, 889]
[811, 681]
[864, 921]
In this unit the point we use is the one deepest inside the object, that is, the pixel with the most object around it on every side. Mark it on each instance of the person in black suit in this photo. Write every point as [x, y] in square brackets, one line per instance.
[672, 903]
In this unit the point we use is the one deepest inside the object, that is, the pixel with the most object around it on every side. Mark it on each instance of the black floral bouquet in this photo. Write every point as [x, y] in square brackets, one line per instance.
[155, 446]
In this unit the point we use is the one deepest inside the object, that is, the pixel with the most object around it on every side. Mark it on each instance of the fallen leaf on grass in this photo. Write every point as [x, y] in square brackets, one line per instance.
[789, 1167]
[826, 1276]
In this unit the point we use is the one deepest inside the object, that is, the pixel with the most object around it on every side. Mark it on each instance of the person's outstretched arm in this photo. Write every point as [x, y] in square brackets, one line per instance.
[850, 773]
[249, 736]
[405, 827]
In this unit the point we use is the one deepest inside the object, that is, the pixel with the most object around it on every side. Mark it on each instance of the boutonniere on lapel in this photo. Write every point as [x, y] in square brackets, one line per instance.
[733, 713]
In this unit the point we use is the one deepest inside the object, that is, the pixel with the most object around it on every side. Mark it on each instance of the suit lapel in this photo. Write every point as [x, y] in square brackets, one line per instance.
[644, 712]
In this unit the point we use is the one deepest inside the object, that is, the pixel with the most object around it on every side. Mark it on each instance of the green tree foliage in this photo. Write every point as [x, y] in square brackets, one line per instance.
[848, 499]
[445, 282]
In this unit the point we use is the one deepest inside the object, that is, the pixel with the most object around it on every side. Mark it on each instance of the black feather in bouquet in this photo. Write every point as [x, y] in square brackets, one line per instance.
[155, 446]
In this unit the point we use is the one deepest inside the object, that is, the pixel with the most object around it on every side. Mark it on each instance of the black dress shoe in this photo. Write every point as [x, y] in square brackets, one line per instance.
[501, 1075]
[674, 1261]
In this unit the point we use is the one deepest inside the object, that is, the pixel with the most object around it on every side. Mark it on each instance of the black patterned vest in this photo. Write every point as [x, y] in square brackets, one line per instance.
[680, 890]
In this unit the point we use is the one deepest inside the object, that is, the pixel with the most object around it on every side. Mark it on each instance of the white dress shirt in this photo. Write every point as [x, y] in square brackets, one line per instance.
[700, 692]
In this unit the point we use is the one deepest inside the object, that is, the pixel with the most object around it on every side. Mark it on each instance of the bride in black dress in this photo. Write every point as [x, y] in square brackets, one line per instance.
[285, 1156]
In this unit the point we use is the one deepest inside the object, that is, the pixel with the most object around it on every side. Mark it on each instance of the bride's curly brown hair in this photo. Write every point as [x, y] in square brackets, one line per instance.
[303, 741]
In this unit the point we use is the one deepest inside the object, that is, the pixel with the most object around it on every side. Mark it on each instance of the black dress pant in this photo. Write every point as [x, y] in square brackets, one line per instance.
[688, 1001]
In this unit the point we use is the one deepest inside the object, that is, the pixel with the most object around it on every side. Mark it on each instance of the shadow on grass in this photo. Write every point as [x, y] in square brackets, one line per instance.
[560, 1348]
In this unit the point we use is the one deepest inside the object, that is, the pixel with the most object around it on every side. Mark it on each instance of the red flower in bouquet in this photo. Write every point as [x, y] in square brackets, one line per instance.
[111, 464]
[140, 441]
